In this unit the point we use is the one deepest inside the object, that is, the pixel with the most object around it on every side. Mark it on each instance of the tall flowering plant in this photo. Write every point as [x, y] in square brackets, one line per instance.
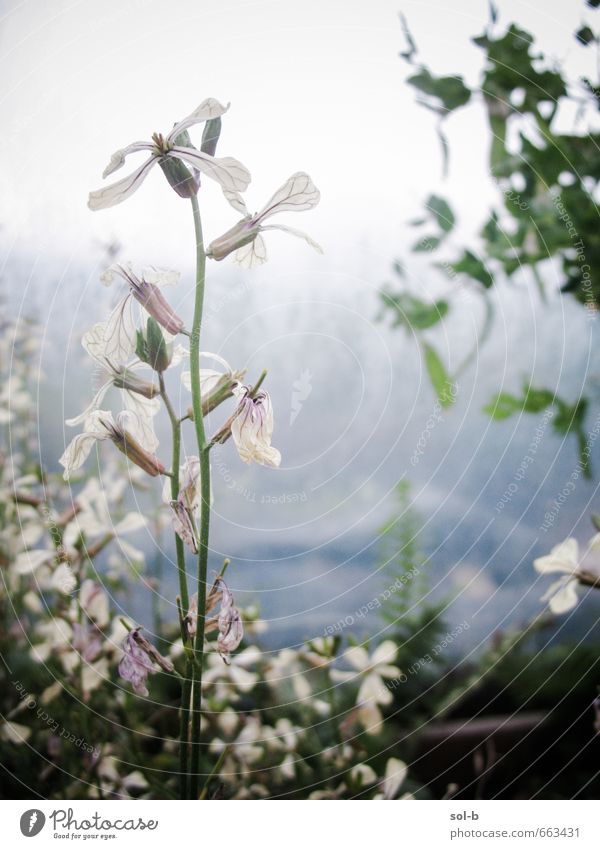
[145, 334]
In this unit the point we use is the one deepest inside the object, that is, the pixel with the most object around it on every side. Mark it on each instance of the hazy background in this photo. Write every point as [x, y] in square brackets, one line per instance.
[319, 87]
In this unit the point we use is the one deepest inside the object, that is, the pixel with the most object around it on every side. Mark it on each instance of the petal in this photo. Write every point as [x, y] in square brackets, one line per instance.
[93, 341]
[372, 689]
[294, 232]
[395, 775]
[236, 201]
[142, 425]
[252, 255]
[563, 558]
[78, 450]
[28, 561]
[227, 171]
[357, 657]
[385, 653]
[122, 189]
[92, 406]
[131, 522]
[160, 276]
[562, 595]
[118, 157]
[297, 193]
[209, 108]
[120, 334]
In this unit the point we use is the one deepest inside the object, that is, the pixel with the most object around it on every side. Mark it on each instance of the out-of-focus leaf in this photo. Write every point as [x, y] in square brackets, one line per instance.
[411, 47]
[427, 243]
[413, 312]
[536, 400]
[438, 376]
[502, 406]
[451, 92]
[585, 36]
[441, 211]
[473, 267]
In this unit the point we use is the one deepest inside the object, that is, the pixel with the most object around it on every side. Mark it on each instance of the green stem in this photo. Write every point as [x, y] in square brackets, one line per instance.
[186, 684]
[205, 502]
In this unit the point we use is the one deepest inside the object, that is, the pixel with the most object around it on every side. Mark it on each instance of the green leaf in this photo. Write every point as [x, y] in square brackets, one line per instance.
[441, 211]
[440, 380]
[473, 267]
[450, 92]
[412, 312]
[502, 406]
[585, 36]
[537, 400]
[427, 243]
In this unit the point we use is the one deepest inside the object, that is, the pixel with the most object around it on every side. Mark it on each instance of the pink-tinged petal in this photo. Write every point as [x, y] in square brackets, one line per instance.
[297, 194]
[252, 255]
[209, 108]
[227, 171]
[300, 234]
[122, 189]
[118, 158]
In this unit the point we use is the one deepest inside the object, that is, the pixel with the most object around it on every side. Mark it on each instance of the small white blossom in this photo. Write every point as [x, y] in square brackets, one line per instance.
[371, 671]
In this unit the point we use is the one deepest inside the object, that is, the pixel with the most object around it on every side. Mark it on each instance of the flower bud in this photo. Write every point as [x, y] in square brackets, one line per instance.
[185, 181]
[239, 235]
[132, 449]
[151, 347]
[210, 136]
[155, 303]
[127, 379]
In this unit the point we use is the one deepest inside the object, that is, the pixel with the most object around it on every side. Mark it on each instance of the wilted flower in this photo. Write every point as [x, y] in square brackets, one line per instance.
[297, 193]
[187, 504]
[146, 290]
[139, 659]
[372, 671]
[251, 427]
[228, 622]
[562, 594]
[171, 152]
[87, 641]
[125, 433]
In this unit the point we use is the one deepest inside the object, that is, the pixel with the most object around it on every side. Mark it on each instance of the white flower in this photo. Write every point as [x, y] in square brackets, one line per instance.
[297, 193]
[230, 173]
[125, 432]
[139, 396]
[562, 594]
[285, 669]
[371, 671]
[252, 429]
